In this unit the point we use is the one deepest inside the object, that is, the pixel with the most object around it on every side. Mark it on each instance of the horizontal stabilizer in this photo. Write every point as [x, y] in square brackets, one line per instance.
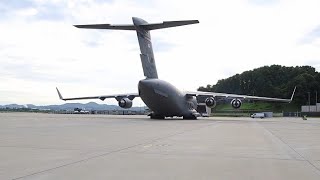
[168, 24]
[107, 26]
[146, 26]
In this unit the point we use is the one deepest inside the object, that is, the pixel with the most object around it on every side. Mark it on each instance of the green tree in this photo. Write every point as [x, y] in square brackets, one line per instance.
[272, 81]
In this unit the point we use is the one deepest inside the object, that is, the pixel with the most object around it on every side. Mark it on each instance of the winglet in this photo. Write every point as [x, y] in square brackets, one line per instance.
[293, 93]
[60, 96]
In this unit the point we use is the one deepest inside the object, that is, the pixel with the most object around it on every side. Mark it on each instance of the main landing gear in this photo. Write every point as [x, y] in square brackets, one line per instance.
[156, 116]
[192, 117]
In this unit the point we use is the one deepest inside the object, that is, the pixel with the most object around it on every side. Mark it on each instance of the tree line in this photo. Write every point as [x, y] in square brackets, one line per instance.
[272, 81]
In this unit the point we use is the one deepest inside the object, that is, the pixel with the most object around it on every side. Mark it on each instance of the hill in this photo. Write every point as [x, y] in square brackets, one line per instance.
[272, 81]
[259, 106]
[70, 106]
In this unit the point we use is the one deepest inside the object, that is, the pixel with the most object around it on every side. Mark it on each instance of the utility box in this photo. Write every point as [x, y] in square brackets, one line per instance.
[203, 109]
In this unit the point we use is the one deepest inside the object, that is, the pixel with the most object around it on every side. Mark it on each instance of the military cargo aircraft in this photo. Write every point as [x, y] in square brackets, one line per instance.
[162, 98]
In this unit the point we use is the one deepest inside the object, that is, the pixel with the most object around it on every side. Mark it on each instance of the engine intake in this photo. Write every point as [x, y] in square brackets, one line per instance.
[210, 102]
[236, 103]
[125, 103]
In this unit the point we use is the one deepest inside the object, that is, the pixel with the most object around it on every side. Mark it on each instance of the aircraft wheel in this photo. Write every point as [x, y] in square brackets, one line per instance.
[153, 116]
[190, 117]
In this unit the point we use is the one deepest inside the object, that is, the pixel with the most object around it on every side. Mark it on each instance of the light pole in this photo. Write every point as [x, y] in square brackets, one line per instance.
[316, 101]
[309, 100]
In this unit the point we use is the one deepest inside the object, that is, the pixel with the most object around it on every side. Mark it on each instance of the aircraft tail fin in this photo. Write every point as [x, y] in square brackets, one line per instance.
[142, 28]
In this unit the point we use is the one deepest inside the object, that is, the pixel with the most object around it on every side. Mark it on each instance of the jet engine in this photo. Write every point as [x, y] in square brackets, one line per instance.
[210, 102]
[125, 103]
[236, 103]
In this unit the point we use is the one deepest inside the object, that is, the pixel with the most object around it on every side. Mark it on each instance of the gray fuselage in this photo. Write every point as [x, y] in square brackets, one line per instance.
[166, 100]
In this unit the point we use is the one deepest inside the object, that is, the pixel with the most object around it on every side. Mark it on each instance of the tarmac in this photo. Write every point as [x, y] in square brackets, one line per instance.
[53, 146]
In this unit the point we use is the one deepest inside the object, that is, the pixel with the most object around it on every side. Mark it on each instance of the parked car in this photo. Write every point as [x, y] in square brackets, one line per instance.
[257, 115]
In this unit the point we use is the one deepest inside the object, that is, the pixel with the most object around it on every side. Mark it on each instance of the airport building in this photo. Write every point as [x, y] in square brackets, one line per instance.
[311, 108]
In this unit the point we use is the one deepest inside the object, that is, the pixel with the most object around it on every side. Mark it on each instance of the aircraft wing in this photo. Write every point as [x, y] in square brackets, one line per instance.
[118, 97]
[231, 96]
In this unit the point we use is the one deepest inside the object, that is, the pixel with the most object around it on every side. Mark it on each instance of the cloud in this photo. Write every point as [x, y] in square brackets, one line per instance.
[264, 2]
[33, 10]
[162, 46]
[51, 12]
[25, 69]
[9, 5]
[8, 8]
[40, 49]
[311, 36]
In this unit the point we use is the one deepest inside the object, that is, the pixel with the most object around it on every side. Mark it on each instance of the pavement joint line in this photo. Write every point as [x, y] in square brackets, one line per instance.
[226, 157]
[307, 160]
[42, 148]
[115, 151]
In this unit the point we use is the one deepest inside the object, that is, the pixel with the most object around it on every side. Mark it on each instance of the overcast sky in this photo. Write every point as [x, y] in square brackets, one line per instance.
[40, 49]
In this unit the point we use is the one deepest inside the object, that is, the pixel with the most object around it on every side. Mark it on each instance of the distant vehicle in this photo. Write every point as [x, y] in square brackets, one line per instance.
[163, 99]
[77, 109]
[257, 115]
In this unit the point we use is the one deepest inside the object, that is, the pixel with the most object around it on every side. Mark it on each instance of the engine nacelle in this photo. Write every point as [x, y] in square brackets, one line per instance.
[210, 102]
[125, 103]
[236, 103]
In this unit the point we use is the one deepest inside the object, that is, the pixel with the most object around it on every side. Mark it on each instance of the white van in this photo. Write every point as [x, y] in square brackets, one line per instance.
[257, 115]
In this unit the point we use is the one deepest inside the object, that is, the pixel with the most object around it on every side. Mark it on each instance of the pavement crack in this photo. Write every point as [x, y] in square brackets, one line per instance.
[288, 145]
[42, 148]
[115, 151]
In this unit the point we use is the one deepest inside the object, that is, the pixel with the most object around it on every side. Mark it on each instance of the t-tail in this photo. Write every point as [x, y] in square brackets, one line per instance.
[142, 28]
